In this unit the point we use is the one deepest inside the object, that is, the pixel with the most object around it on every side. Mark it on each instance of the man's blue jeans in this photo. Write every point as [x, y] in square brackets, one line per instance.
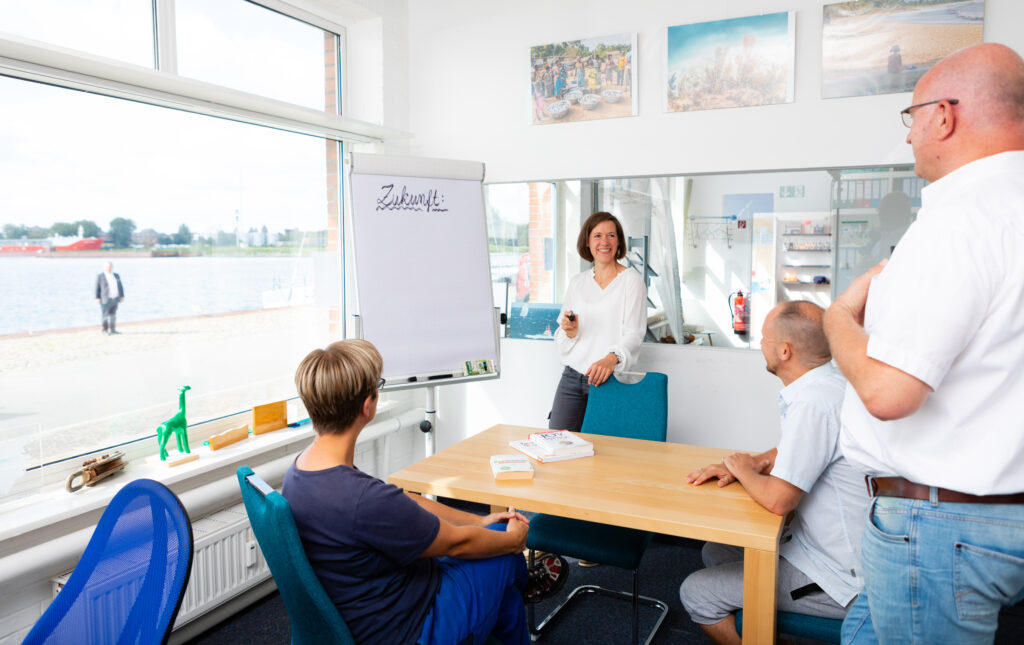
[936, 572]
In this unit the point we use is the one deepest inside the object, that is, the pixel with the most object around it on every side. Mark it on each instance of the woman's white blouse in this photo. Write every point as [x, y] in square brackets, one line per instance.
[611, 320]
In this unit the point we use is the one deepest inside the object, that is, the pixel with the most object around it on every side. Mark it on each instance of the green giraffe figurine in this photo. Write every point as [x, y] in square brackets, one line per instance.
[176, 424]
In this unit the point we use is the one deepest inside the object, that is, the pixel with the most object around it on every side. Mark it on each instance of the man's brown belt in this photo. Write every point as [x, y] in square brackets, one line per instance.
[899, 487]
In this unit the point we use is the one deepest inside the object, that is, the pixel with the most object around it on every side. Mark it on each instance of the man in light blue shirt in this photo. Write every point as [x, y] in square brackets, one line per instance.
[819, 565]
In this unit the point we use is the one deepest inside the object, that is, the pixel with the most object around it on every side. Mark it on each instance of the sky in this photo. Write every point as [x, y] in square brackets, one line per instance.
[68, 155]
[695, 41]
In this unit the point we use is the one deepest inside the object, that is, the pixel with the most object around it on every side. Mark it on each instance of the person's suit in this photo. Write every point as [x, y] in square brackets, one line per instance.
[108, 301]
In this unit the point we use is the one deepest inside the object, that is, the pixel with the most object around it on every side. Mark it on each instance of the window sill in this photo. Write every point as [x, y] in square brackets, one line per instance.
[55, 513]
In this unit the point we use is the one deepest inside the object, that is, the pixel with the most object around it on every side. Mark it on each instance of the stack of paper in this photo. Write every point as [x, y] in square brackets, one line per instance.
[556, 445]
[511, 467]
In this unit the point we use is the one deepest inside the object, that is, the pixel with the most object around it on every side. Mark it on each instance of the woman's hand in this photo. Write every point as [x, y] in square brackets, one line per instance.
[570, 323]
[504, 516]
[599, 372]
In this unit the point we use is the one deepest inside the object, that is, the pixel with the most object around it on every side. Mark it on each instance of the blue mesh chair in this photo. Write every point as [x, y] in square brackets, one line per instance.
[638, 411]
[314, 618]
[826, 630]
[127, 586]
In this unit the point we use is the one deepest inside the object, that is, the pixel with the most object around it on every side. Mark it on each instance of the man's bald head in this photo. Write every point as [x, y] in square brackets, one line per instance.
[987, 80]
[799, 323]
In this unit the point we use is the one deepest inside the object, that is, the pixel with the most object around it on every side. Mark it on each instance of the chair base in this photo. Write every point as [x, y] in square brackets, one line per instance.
[535, 632]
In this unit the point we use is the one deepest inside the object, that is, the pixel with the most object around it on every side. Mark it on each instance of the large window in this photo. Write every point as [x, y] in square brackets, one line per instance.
[719, 251]
[118, 29]
[241, 45]
[225, 235]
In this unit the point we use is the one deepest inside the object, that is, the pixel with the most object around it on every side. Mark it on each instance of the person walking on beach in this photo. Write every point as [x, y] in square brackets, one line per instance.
[109, 293]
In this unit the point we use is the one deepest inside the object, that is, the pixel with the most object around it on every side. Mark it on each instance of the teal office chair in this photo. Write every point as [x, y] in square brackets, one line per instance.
[638, 411]
[314, 618]
[826, 630]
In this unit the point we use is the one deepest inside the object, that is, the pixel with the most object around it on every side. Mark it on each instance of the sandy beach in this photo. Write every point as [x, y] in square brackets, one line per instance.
[856, 46]
[62, 392]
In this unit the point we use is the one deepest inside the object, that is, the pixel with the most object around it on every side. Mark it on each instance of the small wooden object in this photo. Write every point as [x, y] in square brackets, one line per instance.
[269, 417]
[228, 437]
[180, 459]
[96, 470]
[173, 459]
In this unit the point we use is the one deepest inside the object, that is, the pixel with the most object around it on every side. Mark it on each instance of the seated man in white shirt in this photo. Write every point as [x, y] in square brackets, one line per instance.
[819, 560]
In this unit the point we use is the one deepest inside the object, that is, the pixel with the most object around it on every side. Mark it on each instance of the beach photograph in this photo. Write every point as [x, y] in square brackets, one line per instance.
[884, 46]
[738, 62]
[583, 80]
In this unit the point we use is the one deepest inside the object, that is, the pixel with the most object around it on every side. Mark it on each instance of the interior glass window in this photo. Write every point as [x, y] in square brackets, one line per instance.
[718, 251]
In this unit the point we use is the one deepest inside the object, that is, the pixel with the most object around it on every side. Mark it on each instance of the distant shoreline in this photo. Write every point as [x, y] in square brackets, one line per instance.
[188, 252]
[129, 325]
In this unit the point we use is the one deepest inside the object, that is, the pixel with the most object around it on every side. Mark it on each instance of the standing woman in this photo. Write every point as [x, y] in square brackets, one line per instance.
[602, 323]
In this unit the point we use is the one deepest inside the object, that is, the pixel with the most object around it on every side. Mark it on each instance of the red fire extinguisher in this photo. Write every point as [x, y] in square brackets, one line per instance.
[740, 315]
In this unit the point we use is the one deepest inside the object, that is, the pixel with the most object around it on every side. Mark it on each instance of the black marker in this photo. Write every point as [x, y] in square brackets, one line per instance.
[571, 316]
[411, 379]
[437, 376]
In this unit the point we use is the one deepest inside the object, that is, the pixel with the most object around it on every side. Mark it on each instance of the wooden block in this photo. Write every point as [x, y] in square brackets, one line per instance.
[173, 459]
[229, 437]
[181, 459]
[269, 417]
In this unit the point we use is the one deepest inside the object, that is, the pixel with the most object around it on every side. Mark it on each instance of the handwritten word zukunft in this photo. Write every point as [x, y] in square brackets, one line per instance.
[430, 201]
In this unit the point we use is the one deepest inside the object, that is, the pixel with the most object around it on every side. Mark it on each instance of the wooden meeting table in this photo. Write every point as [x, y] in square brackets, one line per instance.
[628, 482]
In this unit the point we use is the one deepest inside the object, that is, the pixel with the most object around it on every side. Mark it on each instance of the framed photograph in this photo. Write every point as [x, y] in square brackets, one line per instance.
[582, 80]
[883, 46]
[731, 63]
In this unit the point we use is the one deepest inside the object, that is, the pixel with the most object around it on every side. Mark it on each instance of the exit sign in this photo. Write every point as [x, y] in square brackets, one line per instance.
[791, 191]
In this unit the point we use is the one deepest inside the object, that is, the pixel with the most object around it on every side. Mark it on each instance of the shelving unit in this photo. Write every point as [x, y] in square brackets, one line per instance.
[803, 252]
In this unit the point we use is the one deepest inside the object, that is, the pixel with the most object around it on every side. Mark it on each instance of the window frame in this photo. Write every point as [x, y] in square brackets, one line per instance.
[53, 65]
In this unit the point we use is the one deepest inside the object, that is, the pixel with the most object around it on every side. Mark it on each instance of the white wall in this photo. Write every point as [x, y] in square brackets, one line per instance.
[717, 397]
[469, 99]
[469, 94]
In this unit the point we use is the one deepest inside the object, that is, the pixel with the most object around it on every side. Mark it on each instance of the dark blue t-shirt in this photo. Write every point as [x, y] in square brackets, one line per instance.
[364, 539]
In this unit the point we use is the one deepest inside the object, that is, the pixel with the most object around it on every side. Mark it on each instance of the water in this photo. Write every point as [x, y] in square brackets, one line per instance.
[39, 293]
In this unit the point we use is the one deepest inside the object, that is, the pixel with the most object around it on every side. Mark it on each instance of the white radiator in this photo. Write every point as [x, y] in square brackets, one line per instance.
[226, 561]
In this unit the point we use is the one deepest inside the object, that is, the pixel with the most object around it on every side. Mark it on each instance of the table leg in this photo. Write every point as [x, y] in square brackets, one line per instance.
[759, 581]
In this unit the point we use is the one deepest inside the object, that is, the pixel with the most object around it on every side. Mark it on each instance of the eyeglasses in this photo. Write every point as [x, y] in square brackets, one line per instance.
[381, 383]
[908, 118]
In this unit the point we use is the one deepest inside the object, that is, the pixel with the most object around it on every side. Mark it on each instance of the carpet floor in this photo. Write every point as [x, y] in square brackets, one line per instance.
[591, 619]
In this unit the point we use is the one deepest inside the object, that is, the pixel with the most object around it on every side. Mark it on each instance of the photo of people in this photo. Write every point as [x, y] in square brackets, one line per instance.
[731, 63]
[883, 46]
[582, 80]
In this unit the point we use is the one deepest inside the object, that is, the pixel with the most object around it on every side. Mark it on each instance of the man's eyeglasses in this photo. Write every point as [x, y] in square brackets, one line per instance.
[908, 117]
[380, 384]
